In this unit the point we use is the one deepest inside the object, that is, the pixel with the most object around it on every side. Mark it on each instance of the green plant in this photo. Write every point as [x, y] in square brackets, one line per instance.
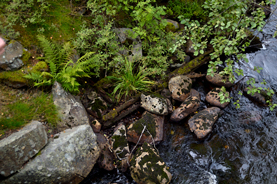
[62, 69]
[128, 82]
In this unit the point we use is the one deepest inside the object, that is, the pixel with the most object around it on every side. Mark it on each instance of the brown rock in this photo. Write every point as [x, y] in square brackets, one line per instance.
[219, 80]
[96, 126]
[154, 125]
[179, 87]
[213, 98]
[201, 123]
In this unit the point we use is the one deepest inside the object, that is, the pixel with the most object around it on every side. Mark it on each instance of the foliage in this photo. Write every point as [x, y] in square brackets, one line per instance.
[23, 111]
[128, 82]
[62, 69]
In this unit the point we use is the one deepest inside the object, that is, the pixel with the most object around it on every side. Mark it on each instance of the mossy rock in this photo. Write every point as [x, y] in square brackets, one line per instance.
[41, 66]
[172, 26]
[25, 57]
[148, 167]
[14, 79]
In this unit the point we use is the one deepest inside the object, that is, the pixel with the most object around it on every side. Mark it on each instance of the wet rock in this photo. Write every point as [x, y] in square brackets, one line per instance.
[106, 158]
[250, 117]
[148, 167]
[154, 129]
[179, 87]
[154, 104]
[258, 97]
[219, 80]
[189, 106]
[120, 147]
[71, 110]
[201, 123]
[19, 147]
[9, 60]
[172, 25]
[202, 177]
[68, 159]
[213, 98]
[96, 126]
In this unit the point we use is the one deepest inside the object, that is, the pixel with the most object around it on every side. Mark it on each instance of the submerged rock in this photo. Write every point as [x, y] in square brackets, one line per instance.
[219, 80]
[67, 159]
[201, 123]
[179, 87]
[120, 147]
[148, 167]
[21, 146]
[189, 106]
[213, 98]
[154, 124]
[154, 104]
[9, 60]
[71, 110]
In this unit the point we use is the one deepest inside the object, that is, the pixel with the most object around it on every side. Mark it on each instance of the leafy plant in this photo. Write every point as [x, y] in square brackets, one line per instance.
[128, 82]
[62, 69]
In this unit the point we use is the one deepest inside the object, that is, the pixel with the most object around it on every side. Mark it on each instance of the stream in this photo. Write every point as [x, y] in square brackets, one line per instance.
[241, 148]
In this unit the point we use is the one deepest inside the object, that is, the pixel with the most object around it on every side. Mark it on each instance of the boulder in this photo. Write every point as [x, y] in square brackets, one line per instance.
[219, 80]
[21, 146]
[148, 167]
[213, 98]
[71, 110]
[257, 97]
[201, 123]
[9, 60]
[106, 158]
[67, 159]
[179, 87]
[120, 147]
[154, 104]
[189, 106]
[154, 124]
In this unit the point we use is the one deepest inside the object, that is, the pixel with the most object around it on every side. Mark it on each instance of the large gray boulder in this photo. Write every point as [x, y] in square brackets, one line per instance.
[154, 104]
[71, 110]
[9, 60]
[19, 147]
[179, 87]
[67, 159]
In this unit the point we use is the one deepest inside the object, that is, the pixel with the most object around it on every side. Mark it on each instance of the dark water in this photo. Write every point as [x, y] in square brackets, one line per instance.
[242, 147]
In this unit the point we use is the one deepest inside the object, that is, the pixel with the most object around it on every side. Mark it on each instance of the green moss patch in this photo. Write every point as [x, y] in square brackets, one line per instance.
[147, 120]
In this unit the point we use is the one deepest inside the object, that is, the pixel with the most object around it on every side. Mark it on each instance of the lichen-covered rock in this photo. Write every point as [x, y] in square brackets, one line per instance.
[120, 147]
[172, 25]
[96, 126]
[189, 106]
[9, 60]
[213, 98]
[148, 167]
[154, 124]
[257, 97]
[71, 110]
[67, 159]
[19, 147]
[201, 123]
[154, 104]
[106, 158]
[179, 87]
[219, 80]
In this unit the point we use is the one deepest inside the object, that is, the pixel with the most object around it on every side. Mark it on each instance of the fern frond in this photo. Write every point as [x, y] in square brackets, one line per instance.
[65, 54]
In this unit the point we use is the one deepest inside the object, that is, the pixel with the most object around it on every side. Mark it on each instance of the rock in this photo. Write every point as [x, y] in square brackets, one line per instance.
[218, 80]
[96, 126]
[201, 123]
[189, 106]
[148, 167]
[68, 159]
[189, 48]
[179, 87]
[106, 158]
[71, 110]
[213, 98]
[169, 106]
[166, 93]
[249, 117]
[21, 146]
[120, 147]
[9, 60]
[172, 25]
[202, 177]
[258, 97]
[154, 125]
[154, 104]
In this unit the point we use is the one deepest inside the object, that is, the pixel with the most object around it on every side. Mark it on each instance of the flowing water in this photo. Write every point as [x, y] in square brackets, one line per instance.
[241, 148]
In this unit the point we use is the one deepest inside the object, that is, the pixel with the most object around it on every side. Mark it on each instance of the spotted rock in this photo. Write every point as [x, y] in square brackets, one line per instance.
[201, 123]
[120, 147]
[154, 125]
[213, 98]
[219, 80]
[179, 87]
[154, 104]
[189, 106]
[148, 167]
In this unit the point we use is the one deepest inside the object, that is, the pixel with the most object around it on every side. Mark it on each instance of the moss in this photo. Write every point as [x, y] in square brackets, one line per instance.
[170, 27]
[39, 67]
[112, 114]
[147, 120]
[120, 142]
[25, 57]
[13, 76]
